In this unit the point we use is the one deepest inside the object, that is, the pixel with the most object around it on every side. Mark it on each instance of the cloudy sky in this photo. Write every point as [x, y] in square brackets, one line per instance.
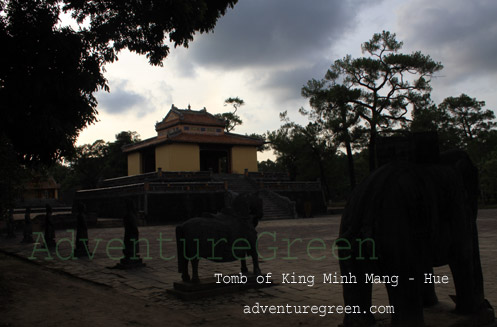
[264, 51]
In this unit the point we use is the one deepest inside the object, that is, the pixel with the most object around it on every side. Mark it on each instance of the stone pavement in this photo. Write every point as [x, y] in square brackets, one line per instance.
[287, 246]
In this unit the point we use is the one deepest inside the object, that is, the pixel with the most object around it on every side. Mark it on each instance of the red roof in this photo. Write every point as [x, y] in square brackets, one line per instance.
[177, 116]
[227, 138]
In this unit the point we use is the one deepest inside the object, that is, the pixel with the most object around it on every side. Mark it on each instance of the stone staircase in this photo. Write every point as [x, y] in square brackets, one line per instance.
[274, 206]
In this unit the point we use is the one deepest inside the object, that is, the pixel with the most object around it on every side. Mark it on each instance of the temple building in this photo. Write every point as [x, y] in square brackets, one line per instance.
[186, 170]
[193, 140]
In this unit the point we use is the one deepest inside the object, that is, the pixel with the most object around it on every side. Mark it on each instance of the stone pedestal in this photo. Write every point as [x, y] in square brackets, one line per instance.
[208, 287]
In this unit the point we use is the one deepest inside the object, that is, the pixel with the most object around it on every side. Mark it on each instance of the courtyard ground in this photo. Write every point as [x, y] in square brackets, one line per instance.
[50, 289]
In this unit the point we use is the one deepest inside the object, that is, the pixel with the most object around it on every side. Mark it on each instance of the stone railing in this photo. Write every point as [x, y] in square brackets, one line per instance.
[111, 191]
[290, 186]
[151, 187]
[169, 176]
[268, 176]
[184, 187]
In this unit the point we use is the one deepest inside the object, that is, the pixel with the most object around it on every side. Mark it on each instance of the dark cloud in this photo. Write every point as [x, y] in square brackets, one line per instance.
[461, 34]
[277, 32]
[289, 82]
[282, 43]
[122, 100]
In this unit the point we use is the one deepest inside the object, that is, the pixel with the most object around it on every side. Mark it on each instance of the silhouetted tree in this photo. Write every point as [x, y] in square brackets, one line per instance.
[382, 85]
[48, 75]
[301, 150]
[330, 109]
[467, 117]
[49, 72]
[95, 162]
[461, 122]
[231, 118]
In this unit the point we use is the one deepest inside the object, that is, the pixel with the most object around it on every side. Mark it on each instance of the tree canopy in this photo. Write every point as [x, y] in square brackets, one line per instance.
[301, 150]
[92, 163]
[460, 121]
[47, 79]
[331, 110]
[231, 118]
[380, 87]
[144, 26]
[49, 72]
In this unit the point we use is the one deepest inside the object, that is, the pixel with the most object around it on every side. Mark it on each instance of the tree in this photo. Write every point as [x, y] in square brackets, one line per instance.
[11, 174]
[98, 161]
[89, 164]
[231, 118]
[47, 79]
[301, 150]
[49, 72]
[269, 166]
[144, 26]
[488, 178]
[461, 123]
[381, 87]
[467, 118]
[330, 109]
[262, 137]
[116, 162]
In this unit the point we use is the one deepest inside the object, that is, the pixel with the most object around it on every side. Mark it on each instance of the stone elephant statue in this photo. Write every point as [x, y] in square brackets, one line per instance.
[405, 219]
[229, 235]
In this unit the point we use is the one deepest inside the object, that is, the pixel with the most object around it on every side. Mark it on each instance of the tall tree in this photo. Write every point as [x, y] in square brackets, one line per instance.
[461, 122]
[88, 164]
[47, 79]
[301, 148]
[144, 26]
[116, 162]
[383, 84]
[330, 109]
[100, 160]
[49, 72]
[467, 117]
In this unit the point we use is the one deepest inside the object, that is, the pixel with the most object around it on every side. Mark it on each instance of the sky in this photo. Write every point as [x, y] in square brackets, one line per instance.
[264, 51]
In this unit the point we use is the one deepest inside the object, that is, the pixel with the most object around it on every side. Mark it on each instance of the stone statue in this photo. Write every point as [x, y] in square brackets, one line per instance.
[11, 227]
[131, 236]
[196, 236]
[49, 228]
[81, 248]
[405, 219]
[28, 227]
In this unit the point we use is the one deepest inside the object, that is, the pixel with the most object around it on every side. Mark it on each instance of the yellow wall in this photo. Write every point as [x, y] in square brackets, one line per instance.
[178, 157]
[134, 163]
[243, 157]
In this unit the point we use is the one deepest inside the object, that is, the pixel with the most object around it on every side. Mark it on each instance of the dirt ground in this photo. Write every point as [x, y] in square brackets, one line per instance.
[87, 293]
[31, 295]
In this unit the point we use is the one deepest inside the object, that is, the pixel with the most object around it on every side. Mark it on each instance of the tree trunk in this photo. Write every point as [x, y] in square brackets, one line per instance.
[350, 162]
[372, 149]
[324, 180]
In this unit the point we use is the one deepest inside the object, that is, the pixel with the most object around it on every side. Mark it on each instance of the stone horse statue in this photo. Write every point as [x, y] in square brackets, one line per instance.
[223, 237]
[409, 218]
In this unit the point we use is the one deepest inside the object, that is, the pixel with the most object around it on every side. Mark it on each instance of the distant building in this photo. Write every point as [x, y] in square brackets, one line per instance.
[41, 188]
[193, 140]
[187, 168]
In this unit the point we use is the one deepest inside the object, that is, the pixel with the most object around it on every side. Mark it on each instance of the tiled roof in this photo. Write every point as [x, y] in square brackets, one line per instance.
[227, 138]
[177, 116]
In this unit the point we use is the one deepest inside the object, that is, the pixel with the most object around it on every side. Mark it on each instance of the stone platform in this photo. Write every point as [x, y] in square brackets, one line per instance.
[284, 249]
[210, 287]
